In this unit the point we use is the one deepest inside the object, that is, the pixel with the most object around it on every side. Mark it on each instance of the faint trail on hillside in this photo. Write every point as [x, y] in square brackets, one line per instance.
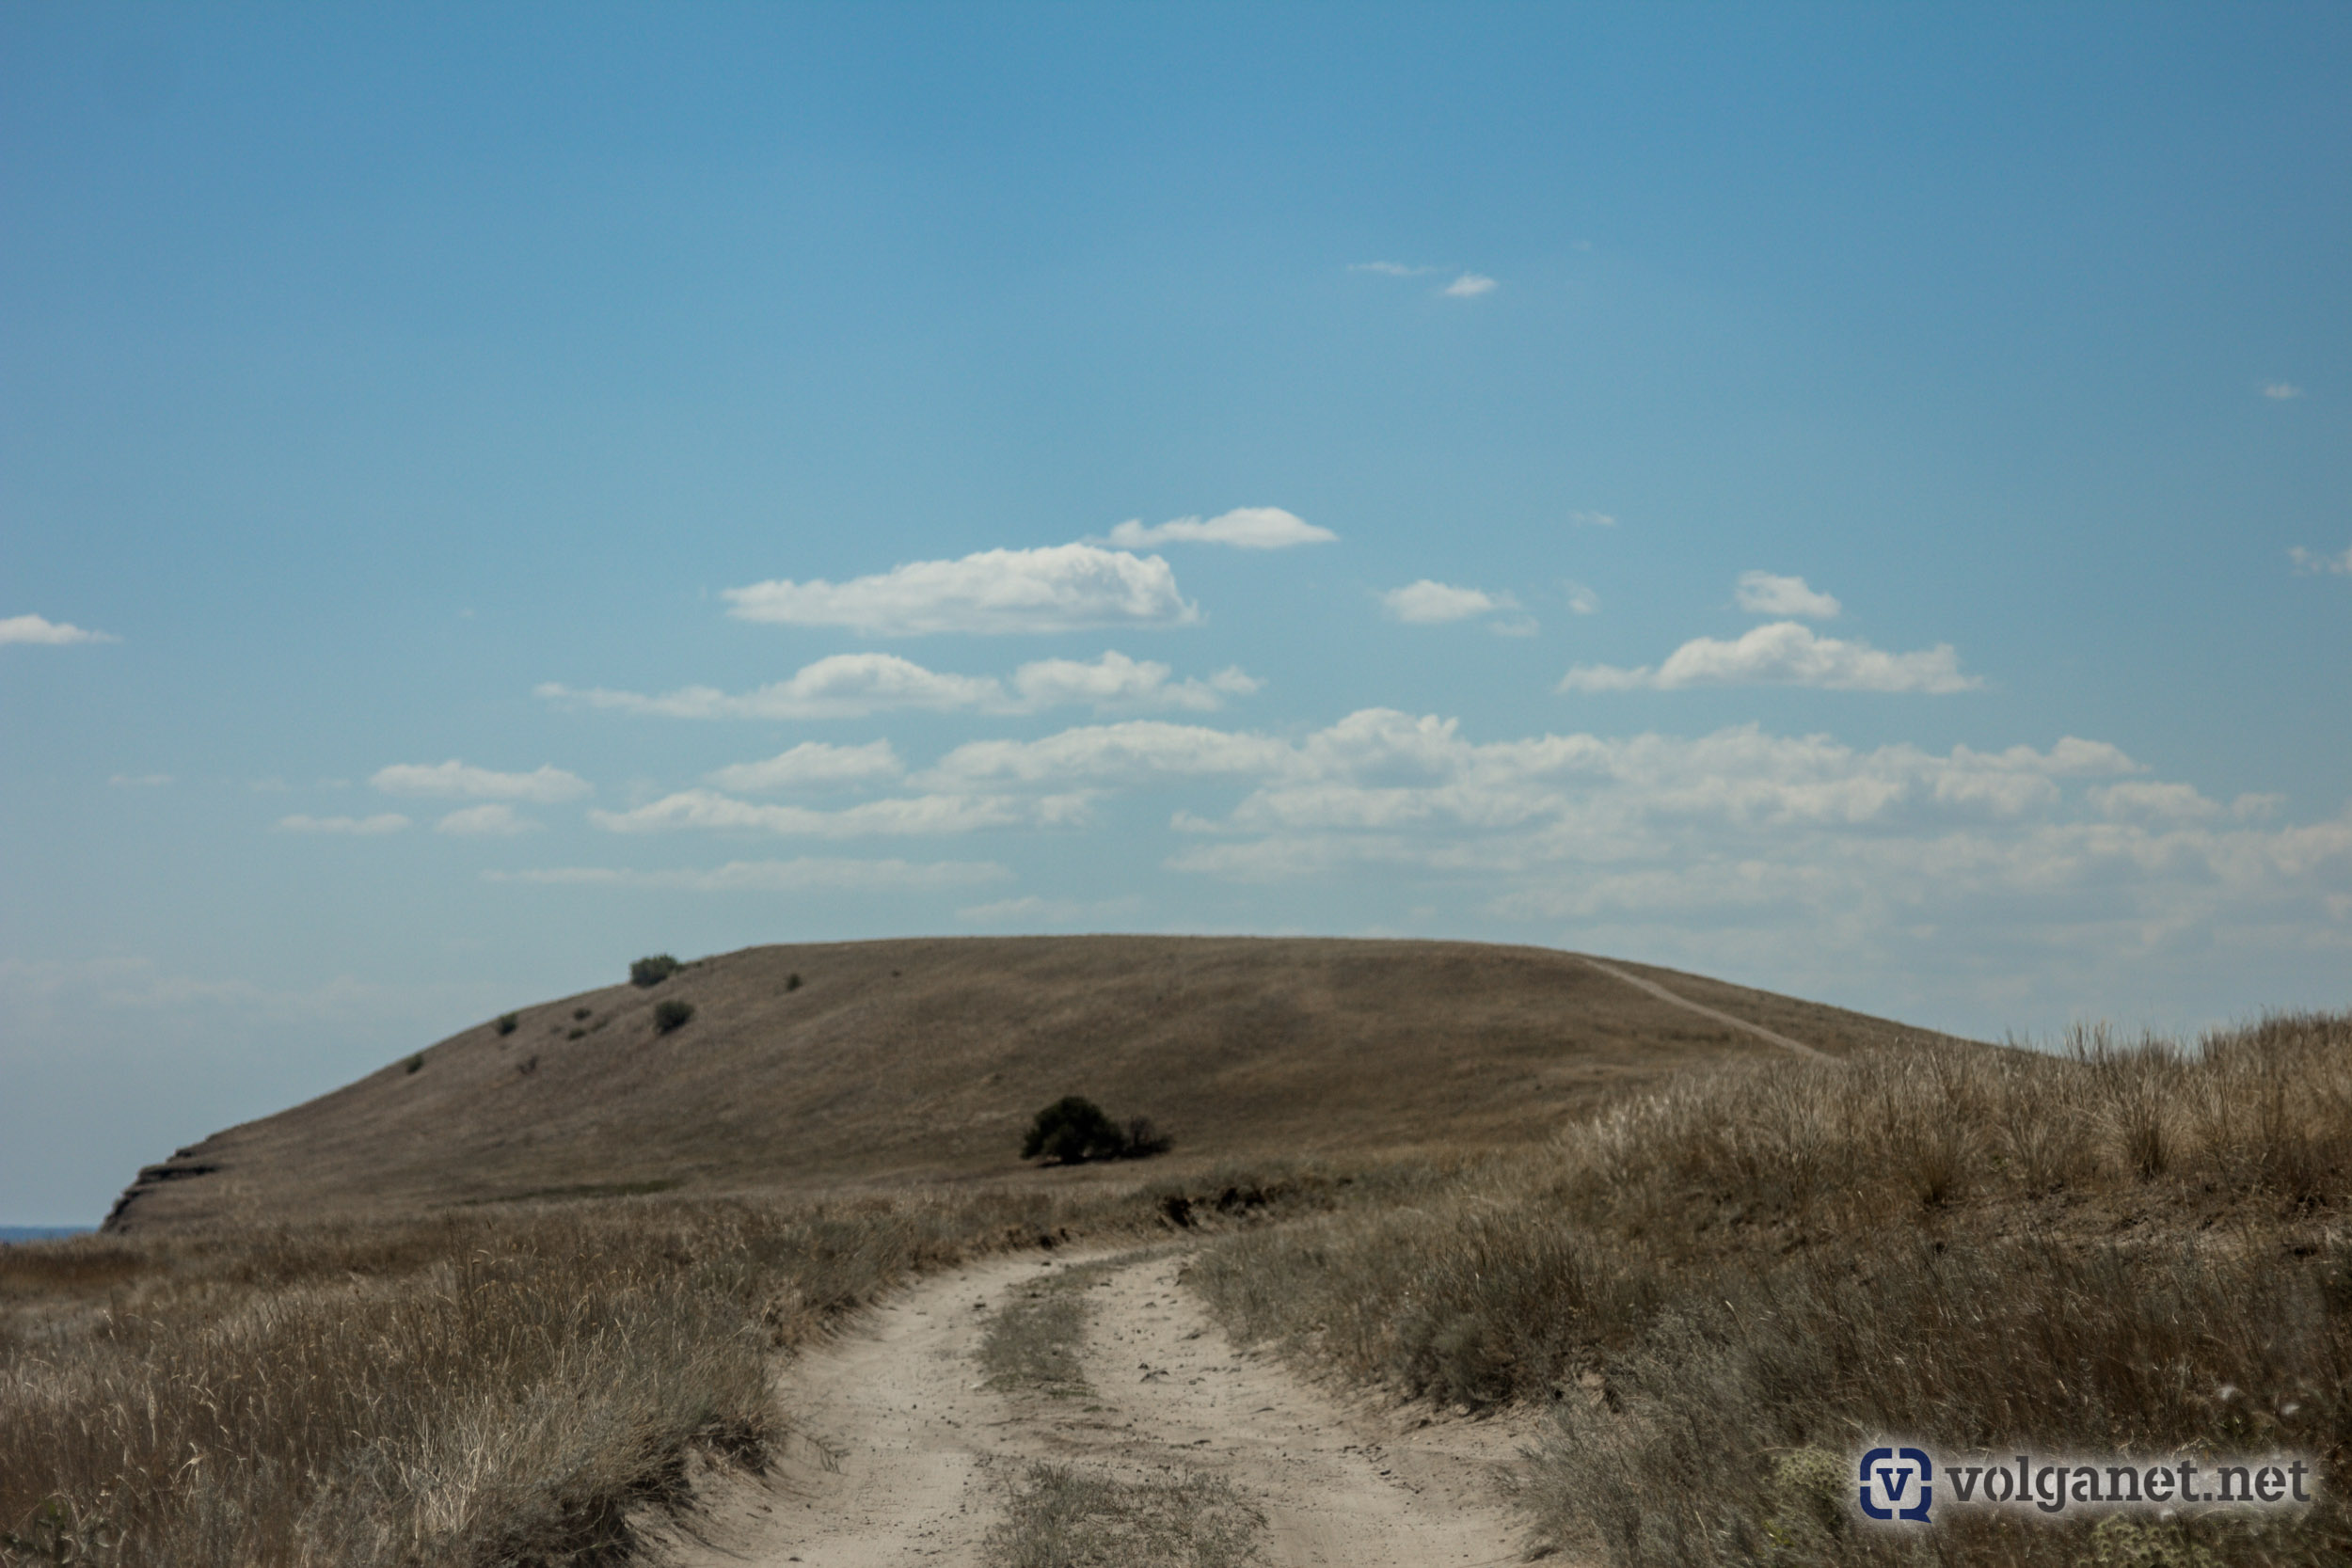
[1740, 1024]
[901, 1454]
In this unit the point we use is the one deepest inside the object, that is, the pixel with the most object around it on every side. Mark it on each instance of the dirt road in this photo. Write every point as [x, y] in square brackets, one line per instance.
[904, 1453]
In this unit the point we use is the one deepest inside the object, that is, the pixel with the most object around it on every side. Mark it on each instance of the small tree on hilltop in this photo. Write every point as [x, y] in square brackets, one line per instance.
[1071, 1130]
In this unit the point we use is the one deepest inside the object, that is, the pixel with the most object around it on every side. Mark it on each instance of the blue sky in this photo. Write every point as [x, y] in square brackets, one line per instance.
[1851, 500]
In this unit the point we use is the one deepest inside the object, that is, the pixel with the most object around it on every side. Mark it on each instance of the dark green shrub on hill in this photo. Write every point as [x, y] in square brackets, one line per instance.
[672, 1014]
[1075, 1129]
[653, 970]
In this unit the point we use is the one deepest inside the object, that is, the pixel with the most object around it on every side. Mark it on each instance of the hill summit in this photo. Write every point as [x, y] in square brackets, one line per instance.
[855, 1063]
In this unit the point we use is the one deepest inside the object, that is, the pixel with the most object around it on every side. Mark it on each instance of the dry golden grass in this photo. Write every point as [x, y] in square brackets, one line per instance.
[2132, 1249]
[502, 1387]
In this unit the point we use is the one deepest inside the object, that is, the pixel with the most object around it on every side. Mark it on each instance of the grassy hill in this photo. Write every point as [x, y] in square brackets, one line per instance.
[923, 1060]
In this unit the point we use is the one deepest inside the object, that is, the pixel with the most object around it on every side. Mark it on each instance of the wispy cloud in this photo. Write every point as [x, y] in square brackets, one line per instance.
[1581, 600]
[363, 827]
[807, 874]
[2280, 392]
[1138, 752]
[1763, 594]
[1055, 588]
[494, 820]
[812, 765]
[2309, 563]
[35, 629]
[1593, 519]
[1428, 603]
[1115, 681]
[139, 781]
[853, 685]
[1782, 653]
[1391, 269]
[1470, 286]
[1036, 912]
[547, 786]
[1245, 527]
[711, 811]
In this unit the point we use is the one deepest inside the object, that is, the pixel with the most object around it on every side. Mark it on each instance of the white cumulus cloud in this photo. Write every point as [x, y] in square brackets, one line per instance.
[1245, 528]
[843, 686]
[813, 765]
[1433, 604]
[1055, 588]
[35, 628]
[496, 819]
[806, 874]
[1782, 653]
[1136, 751]
[1764, 593]
[547, 786]
[1116, 681]
[902, 816]
[853, 685]
[2310, 564]
[1470, 285]
[364, 827]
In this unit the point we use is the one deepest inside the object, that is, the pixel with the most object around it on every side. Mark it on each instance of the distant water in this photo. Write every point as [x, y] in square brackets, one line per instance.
[40, 1232]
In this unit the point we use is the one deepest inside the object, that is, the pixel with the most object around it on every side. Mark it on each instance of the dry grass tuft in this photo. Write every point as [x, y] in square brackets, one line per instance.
[2135, 1248]
[1057, 1517]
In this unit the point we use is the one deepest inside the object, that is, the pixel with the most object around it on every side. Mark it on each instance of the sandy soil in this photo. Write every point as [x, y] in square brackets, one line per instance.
[900, 1454]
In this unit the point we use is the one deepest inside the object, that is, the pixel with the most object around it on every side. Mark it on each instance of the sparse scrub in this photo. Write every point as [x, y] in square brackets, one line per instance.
[507, 1024]
[1058, 1516]
[650, 971]
[2129, 1248]
[671, 1016]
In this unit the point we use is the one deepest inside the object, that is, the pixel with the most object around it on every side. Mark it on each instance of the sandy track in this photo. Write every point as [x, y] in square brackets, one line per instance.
[900, 1453]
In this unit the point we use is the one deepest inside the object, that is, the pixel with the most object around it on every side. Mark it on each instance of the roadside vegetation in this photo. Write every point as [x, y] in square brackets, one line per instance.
[492, 1386]
[1723, 1289]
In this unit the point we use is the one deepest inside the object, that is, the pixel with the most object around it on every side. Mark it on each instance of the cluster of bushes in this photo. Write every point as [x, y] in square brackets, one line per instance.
[1074, 1128]
[649, 972]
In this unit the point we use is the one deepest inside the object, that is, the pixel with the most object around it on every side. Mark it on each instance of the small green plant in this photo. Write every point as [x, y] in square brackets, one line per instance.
[792, 981]
[579, 1013]
[416, 1063]
[650, 971]
[576, 1034]
[670, 1015]
[508, 1023]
